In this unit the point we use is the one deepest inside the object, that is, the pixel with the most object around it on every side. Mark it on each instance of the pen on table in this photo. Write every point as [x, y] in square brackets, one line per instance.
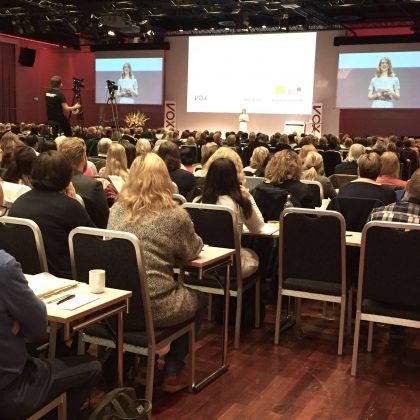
[59, 298]
[66, 298]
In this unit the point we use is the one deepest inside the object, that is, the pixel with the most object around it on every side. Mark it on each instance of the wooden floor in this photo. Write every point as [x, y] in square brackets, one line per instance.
[302, 378]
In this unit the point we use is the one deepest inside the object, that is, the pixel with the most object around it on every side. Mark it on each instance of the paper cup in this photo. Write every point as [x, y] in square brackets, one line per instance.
[97, 281]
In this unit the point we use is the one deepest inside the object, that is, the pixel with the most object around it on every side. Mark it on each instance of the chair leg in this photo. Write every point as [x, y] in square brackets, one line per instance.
[257, 303]
[342, 322]
[80, 343]
[370, 337]
[349, 310]
[298, 303]
[238, 319]
[278, 318]
[52, 340]
[62, 408]
[324, 308]
[191, 358]
[355, 344]
[150, 375]
[210, 307]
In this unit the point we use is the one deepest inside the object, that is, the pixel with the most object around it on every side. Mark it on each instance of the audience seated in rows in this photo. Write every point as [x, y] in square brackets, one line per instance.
[88, 188]
[52, 206]
[369, 168]
[145, 207]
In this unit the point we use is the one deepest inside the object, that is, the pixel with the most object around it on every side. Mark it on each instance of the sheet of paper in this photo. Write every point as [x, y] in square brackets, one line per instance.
[77, 302]
[45, 284]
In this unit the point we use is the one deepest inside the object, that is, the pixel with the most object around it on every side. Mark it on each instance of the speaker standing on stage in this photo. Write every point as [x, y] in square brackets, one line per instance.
[127, 86]
[243, 121]
[57, 105]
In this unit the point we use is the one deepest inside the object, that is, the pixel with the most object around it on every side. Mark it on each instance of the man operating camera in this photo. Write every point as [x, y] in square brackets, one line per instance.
[57, 105]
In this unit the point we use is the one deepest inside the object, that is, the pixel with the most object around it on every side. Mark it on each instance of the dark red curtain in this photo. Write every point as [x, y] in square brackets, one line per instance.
[7, 83]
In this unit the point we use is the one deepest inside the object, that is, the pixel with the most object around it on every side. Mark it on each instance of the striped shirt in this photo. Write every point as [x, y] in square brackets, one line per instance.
[401, 212]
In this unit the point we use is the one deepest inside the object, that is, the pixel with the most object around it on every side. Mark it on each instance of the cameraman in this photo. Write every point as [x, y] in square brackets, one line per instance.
[57, 105]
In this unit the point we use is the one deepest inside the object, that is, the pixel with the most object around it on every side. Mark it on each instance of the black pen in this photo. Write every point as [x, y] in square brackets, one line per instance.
[66, 298]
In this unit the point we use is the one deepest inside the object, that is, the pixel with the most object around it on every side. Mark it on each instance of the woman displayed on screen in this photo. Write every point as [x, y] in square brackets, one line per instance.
[384, 88]
[127, 86]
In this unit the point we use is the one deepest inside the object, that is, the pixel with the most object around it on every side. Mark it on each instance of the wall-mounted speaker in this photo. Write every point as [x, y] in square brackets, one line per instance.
[27, 57]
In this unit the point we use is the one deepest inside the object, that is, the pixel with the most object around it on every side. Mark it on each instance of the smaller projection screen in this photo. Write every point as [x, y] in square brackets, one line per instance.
[363, 83]
[139, 79]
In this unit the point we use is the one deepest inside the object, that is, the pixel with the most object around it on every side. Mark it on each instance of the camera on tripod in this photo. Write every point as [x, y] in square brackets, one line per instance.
[112, 86]
[77, 84]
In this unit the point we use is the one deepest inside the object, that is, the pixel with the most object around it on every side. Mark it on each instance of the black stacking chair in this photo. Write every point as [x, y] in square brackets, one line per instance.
[121, 256]
[312, 261]
[331, 159]
[22, 239]
[317, 191]
[355, 210]
[337, 180]
[216, 225]
[388, 290]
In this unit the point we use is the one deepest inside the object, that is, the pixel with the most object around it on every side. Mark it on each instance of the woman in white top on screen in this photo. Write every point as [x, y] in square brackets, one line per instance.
[384, 88]
[127, 86]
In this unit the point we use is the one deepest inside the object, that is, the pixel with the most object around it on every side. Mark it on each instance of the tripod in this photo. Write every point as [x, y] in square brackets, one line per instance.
[77, 97]
[114, 110]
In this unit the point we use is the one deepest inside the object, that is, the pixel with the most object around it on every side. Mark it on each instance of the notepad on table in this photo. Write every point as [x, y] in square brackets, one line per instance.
[77, 302]
[45, 284]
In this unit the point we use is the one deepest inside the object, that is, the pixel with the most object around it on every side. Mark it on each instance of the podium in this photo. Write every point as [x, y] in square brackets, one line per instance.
[294, 126]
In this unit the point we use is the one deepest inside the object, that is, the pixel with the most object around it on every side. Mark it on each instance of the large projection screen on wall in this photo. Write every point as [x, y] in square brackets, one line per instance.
[263, 73]
[357, 75]
[146, 76]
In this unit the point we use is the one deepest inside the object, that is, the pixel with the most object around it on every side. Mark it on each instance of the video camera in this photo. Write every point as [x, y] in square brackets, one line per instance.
[77, 84]
[111, 86]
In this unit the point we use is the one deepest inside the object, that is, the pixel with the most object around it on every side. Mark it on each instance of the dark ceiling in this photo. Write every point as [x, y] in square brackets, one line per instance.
[88, 21]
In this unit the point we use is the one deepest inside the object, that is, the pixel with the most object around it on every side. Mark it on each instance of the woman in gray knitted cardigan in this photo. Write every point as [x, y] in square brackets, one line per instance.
[145, 207]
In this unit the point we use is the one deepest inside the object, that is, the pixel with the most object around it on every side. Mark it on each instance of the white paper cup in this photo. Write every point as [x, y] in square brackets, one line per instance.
[97, 281]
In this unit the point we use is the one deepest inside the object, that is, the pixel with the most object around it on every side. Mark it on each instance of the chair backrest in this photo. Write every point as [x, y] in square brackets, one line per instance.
[355, 210]
[216, 225]
[389, 270]
[121, 256]
[180, 199]
[337, 180]
[317, 191]
[22, 239]
[331, 159]
[253, 181]
[312, 245]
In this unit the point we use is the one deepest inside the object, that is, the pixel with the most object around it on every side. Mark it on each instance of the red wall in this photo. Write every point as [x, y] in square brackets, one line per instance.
[32, 82]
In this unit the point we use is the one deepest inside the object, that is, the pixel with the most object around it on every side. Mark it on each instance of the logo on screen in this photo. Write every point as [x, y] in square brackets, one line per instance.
[200, 98]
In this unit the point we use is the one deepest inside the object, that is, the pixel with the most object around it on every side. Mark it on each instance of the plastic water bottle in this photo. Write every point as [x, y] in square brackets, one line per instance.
[288, 202]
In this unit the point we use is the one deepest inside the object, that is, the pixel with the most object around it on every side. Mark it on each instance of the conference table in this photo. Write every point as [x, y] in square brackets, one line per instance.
[211, 259]
[109, 303]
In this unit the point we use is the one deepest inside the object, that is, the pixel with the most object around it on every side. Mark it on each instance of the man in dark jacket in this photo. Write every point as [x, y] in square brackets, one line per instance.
[88, 188]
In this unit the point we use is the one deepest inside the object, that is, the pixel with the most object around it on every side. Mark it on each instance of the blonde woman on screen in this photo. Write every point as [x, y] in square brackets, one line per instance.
[127, 86]
[384, 88]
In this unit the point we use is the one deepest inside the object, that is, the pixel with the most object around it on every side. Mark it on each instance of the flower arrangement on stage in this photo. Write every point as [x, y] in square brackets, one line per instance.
[135, 119]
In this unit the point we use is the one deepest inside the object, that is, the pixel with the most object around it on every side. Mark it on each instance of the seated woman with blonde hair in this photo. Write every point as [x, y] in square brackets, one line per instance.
[145, 208]
[115, 172]
[259, 160]
[313, 170]
[390, 171]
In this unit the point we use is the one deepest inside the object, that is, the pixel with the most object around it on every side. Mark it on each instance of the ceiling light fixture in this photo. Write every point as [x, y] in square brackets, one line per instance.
[111, 32]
